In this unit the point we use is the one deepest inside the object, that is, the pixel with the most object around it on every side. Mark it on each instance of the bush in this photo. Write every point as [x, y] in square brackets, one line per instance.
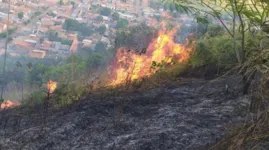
[35, 98]
[105, 11]
[116, 16]
[101, 29]
[217, 52]
[100, 46]
[74, 25]
[122, 23]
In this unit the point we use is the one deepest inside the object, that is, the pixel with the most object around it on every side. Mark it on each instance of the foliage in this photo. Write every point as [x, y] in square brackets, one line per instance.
[35, 98]
[116, 16]
[158, 17]
[122, 23]
[53, 36]
[26, 22]
[136, 37]
[100, 18]
[101, 29]
[52, 14]
[4, 34]
[37, 13]
[155, 5]
[215, 51]
[20, 15]
[73, 4]
[95, 60]
[105, 11]
[100, 46]
[74, 25]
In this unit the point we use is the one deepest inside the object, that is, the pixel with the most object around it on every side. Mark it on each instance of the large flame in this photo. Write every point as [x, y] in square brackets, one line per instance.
[129, 66]
[51, 86]
[9, 104]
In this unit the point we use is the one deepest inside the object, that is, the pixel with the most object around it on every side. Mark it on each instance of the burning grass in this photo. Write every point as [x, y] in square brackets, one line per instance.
[130, 66]
[9, 104]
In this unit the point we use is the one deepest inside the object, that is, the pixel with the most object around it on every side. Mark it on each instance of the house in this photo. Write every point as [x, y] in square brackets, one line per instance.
[37, 54]
[21, 45]
[46, 45]
[3, 27]
[13, 54]
[127, 16]
[31, 41]
[71, 36]
[65, 47]
[106, 19]
[26, 11]
[86, 43]
[95, 38]
[105, 40]
[56, 28]
[42, 30]
[56, 46]
[47, 22]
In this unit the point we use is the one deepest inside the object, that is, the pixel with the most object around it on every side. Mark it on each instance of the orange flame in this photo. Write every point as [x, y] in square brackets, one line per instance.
[131, 66]
[51, 86]
[9, 104]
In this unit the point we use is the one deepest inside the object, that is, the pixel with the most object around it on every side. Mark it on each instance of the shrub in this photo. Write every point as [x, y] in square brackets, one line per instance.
[217, 52]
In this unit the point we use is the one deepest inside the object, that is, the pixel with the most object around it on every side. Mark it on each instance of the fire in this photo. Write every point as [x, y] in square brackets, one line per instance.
[51, 86]
[9, 104]
[129, 66]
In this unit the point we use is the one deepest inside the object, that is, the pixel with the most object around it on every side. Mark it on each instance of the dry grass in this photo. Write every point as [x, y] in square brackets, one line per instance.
[249, 136]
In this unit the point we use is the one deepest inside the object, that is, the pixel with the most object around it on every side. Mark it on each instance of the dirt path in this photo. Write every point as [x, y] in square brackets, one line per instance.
[187, 116]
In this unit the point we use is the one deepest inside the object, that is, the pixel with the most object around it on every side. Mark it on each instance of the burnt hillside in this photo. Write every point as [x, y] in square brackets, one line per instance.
[190, 115]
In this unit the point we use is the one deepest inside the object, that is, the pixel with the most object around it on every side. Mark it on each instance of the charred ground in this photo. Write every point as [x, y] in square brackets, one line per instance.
[188, 114]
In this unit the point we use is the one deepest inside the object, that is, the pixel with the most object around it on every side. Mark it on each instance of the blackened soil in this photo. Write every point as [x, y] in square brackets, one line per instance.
[190, 116]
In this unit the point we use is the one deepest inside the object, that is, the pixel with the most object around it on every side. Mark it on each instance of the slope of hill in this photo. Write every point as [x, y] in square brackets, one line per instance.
[190, 115]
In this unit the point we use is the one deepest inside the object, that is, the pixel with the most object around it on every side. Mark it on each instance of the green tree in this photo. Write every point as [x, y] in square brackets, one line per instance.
[105, 11]
[158, 17]
[20, 15]
[74, 25]
[95, 60]
[100, 46]
[122, 23]
[100, 18]
[116, 16]
[101, 29]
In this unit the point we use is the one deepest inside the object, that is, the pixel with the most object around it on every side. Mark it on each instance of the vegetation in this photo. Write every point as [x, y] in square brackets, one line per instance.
[4, 34]
[74, 25]
[73, 4]
[101, 29]
[137, 37]
[100, 46]
[37, 13]
[105, 11]
[20, 15]
[52, 14]
[116, 16]
[100, 18]
[26, 22]
[246, 30]
[230, 36]
[53, 36]
[122, 23]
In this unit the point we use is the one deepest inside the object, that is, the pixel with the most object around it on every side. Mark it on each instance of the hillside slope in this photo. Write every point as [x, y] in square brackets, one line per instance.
[191, 115]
